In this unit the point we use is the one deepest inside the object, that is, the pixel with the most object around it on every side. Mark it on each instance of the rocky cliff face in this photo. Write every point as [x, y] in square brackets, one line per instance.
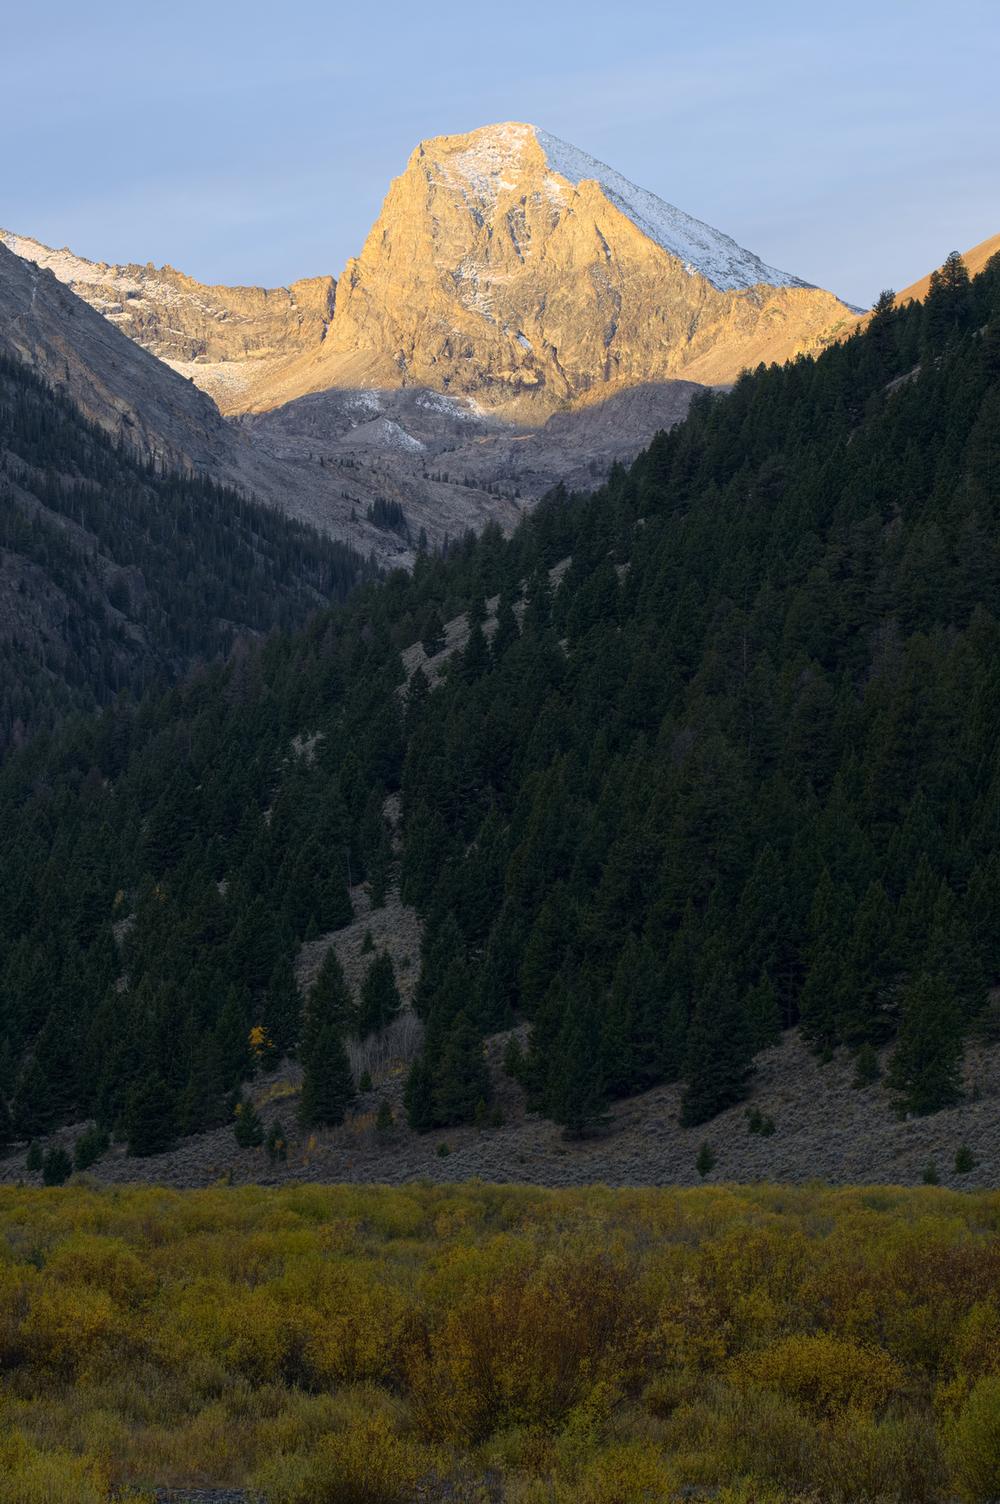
[511, 267]
[223, 337]
[167, 421]
[505, 266]
[171, 425]
[519, 314]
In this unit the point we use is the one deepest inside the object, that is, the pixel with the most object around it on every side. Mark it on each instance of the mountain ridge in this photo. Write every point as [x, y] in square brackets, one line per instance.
[171, 425]
[714, 760]
[189, 324]
[492, 273]
[506, 266]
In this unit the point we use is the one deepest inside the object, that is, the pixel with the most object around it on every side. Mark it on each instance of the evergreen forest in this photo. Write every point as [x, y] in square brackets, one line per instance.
[729, 769]
[114, 578]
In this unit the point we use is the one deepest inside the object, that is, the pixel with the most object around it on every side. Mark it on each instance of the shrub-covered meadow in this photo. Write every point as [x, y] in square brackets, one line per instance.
[361, 1345]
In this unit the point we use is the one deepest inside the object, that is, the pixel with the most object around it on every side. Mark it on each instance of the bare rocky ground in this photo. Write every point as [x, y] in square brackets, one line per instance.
[205, 1496]
[825, 1130]
[437, 455]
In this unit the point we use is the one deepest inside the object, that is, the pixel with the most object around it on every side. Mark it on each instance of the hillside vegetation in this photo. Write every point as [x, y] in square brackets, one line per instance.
[113, 577]
[736, 772]
[516, 1346]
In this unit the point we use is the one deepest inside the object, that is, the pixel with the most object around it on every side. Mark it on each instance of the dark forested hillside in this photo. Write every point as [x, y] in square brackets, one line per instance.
[738, 771]
[112, 576]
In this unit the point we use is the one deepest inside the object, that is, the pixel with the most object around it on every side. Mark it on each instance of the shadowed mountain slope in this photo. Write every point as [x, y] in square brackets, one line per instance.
[682, 765]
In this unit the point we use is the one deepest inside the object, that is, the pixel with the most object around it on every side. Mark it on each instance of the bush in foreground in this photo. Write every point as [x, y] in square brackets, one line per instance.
[367, 1345]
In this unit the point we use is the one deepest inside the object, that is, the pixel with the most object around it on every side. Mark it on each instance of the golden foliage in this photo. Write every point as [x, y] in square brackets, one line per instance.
[361, 1345]
[973, 1442]
[822, 1373]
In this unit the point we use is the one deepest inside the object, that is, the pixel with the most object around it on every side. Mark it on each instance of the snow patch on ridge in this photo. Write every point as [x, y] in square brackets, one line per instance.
[462, 408]
[491, 164]
[386, 433]
[494, 159]
[715, 256]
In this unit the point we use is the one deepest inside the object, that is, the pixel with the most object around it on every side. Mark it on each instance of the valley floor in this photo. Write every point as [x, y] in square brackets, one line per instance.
[499, 1345]
[825, 1130]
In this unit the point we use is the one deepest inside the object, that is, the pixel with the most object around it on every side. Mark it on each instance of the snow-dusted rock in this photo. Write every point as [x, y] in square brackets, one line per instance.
[510, 267]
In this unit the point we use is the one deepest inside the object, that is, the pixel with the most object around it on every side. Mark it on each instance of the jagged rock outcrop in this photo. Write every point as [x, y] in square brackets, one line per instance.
[171, 425]
[519, 314]
[508, 266]
[216, 335]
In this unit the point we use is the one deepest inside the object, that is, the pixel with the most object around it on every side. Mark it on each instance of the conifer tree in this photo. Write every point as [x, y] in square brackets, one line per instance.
[475, 660]
[507, 630]
[826, 996]
[461, 1078]
[150, 1118]
[200, 1104]
[719, 1055]
[925, 1071]
[233, 1056]
[763, 1014]
[874, 968]
[33, 1108]
[577, 1098]
[328, 1002]
[443, 944]
[57, 1166]
[91, 1146]
[418, 1097]
[248, 1129]
[432, 633]
[276, 1142]
[950, 953]
[866, 1067]
[417, 692]
[327, 1083]
[380, 1000]
[616, 1054]
[948, 304]
[282, 1010]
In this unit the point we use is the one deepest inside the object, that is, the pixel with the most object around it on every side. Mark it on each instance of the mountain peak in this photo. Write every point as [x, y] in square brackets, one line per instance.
[495, 160]
[511, 267]
[506, 266]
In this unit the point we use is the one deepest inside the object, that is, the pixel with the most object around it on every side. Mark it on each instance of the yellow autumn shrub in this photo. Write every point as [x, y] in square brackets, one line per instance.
[358, 1344]
[631, 1472]
[973, 1443]
[367, 1464]
[70, 1330]
[527, 1347]
[102, 1263]
[29, 1475]
[821, 1372]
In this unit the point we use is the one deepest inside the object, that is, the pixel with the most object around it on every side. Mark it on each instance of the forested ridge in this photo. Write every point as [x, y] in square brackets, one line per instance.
[737, 772]
[113, 577]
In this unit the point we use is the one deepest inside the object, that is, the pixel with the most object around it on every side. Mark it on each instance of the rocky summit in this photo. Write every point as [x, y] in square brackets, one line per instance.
[506, 266]
[509, 266]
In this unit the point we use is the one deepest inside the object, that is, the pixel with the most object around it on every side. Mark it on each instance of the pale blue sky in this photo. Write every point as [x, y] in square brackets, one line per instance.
[851, 143]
